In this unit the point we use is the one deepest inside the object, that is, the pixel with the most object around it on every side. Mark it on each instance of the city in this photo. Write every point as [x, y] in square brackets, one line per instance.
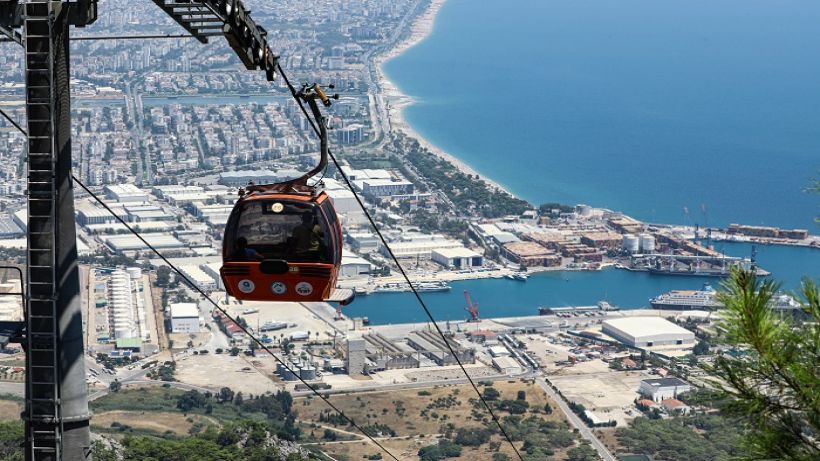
[167, 132]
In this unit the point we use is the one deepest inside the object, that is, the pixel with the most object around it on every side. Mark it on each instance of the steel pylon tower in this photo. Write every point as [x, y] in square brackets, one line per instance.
[56, 398]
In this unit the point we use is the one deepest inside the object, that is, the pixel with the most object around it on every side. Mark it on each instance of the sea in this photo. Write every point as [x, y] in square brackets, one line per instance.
[681, 111]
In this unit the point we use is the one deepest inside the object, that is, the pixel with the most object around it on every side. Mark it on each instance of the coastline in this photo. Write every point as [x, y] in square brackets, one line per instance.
[396, 101]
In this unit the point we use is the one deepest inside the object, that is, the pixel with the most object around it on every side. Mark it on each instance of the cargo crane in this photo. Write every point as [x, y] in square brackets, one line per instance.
[472, 308]
[56, 414]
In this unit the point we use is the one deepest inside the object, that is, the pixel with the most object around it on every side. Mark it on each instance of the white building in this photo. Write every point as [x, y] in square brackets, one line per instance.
[421, 248]
[498, 351]
[507, 365]
[123, 243]
[663, 388]
[353, 266]
[457, 258]
[201, 278]
[386, 187]
[125, 193]
[184, 318]
[364, 242]
[648, 332]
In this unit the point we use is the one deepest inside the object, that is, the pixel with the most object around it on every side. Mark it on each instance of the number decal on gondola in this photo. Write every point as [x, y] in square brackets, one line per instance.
[278, 288]
[304, 288]
[277, 207]
[246, 286]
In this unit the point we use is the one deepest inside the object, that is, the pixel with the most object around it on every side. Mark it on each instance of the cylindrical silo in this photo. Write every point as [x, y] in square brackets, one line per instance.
[647, 243]
[631, 243]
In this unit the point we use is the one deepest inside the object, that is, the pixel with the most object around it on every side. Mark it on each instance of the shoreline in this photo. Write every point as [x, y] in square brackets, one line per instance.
[396, 101]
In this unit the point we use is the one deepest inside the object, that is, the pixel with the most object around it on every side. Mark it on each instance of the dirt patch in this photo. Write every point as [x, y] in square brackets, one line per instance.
[160, 422]
[10, 411]
[417, 416]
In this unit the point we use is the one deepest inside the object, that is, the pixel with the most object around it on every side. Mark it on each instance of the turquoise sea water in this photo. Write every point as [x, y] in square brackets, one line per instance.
[642, 106]
[636, 105]
[629, 290]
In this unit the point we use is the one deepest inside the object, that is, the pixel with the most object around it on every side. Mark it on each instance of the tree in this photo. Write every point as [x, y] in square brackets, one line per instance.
[226, 394]
[491, 393]
[701, 348]
[522, 395]
[774, 378]
[115, 386]
[163, 276]
[582, 453]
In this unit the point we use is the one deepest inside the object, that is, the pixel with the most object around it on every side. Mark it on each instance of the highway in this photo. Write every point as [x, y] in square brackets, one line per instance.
[576, 422]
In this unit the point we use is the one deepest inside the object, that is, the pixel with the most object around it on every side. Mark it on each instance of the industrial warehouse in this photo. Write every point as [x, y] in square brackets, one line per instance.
[648, 332]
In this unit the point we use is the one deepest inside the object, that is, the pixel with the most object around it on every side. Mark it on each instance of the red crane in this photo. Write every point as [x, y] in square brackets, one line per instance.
[472, 307]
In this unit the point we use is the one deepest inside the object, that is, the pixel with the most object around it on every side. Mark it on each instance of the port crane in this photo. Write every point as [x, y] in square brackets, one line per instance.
[56, 411]
[472, 308]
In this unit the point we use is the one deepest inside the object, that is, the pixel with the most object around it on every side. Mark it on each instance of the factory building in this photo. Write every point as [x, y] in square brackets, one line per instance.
[130, 243]
[184, 318]
[433, 347]
[383, 354]
[125, 193]
[529, 254]
[356, 355]
[421, 248]
[457, 258]
[648, 332]
[88, 216]
[507, 365]
[126, 308]
[364, 242]
[663, 388]
[354, 266]
[201, 278]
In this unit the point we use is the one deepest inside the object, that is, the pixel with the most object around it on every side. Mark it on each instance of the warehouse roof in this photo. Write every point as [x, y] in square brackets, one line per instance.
[457, 252]
[642, 326]
[665, 382]
[184, 310]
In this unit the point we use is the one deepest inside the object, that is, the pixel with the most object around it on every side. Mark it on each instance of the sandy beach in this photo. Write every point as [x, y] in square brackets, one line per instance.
[396, 101]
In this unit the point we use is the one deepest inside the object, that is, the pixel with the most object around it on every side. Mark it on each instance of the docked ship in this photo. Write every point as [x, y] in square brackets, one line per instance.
[420, 287]
[520, 276]
[683, 300]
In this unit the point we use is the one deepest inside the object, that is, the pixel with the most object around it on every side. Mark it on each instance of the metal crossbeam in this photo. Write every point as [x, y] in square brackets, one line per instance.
[203, 18]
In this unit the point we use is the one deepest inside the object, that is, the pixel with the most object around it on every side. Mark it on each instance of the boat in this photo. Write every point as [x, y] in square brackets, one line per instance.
[250, 311]
[273, 326]
[520, 276]
[704, 299]
[419, 286]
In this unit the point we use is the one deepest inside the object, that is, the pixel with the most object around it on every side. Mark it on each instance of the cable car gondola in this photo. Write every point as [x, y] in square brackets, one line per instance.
[283, 242]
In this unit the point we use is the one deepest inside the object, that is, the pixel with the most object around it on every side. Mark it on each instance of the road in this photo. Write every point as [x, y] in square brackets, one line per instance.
[576, 422]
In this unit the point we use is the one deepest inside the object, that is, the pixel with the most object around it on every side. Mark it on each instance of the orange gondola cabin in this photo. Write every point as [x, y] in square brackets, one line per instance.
[283, 247]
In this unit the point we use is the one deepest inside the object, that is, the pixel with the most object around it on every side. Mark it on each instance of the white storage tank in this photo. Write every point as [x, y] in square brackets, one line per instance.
[134, 272]
[647, 243]
[631, 243]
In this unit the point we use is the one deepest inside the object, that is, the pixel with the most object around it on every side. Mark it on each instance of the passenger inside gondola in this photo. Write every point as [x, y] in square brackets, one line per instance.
[268, 229]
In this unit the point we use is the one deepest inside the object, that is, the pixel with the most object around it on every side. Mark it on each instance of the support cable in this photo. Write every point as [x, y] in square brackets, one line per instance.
[11, 120]
[225, 313]
[427, 311]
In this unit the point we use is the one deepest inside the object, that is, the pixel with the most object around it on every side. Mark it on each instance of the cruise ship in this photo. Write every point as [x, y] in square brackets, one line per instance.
[420, 286]
[687, 300]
